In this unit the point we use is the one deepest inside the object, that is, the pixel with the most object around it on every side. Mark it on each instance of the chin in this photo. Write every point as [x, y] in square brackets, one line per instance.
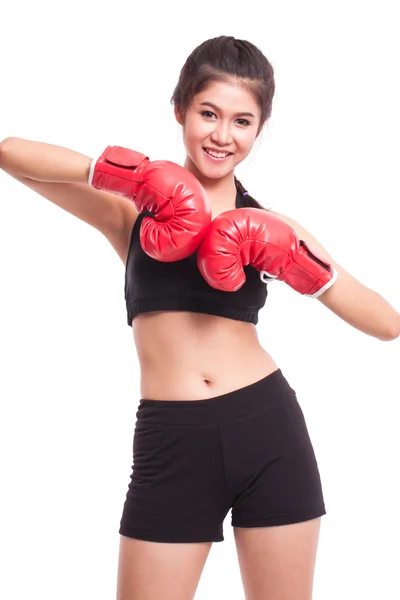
[214, 172]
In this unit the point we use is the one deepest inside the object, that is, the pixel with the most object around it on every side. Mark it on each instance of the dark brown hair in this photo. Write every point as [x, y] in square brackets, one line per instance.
[222, 59]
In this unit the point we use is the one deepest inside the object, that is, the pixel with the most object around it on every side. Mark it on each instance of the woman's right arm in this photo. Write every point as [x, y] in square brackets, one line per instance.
[44, 162]
[60, 175]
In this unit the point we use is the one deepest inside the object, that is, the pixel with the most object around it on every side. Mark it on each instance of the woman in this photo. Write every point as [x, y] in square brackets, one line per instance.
[218, 426]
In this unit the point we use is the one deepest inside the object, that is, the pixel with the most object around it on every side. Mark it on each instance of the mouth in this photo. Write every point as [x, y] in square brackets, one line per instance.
[215, 156]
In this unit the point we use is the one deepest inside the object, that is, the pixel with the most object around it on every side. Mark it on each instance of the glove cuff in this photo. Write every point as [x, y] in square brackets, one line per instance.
[309, 274]
[325, 287]
[117, 170]
[91, 170]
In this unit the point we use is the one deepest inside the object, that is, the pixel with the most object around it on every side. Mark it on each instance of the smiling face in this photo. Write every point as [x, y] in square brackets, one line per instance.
[219, 129]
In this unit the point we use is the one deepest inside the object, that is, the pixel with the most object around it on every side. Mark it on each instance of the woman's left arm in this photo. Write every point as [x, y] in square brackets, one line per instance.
[349, 299]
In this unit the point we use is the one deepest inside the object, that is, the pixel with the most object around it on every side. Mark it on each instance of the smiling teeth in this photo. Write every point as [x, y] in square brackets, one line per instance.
[217, 154]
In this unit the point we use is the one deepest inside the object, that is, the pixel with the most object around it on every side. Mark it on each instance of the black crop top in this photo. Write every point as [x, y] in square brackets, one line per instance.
[151, 285]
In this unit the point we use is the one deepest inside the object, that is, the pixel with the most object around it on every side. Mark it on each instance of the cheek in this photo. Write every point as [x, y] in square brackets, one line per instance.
[247, 142]
[195, 130]
[189, 141]
[192, 140]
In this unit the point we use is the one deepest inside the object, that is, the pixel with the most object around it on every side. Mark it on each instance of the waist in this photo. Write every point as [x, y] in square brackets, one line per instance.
[191, 356]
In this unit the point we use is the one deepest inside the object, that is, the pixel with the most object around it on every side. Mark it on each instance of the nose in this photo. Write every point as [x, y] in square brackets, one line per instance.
[222, 135]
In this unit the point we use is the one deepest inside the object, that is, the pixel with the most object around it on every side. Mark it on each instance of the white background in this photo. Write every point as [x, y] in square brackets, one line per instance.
[86, 75]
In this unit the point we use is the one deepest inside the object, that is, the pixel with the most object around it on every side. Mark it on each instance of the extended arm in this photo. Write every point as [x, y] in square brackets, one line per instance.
[355, 303]
[44, 162]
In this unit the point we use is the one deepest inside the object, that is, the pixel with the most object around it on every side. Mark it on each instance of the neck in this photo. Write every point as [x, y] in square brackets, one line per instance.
[220, 192]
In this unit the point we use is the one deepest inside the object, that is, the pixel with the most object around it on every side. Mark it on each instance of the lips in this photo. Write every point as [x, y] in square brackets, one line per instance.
[216, 155]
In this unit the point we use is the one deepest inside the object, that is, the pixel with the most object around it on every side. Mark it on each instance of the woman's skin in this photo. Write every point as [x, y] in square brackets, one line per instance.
[184, 355]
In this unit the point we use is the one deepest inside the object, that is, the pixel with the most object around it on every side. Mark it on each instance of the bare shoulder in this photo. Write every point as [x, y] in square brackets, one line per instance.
[299, 229]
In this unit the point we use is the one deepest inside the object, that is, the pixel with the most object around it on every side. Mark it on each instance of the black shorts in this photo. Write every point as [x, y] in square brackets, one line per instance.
[248, 450]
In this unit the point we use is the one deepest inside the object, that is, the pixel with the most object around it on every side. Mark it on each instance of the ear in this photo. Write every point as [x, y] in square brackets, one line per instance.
[178, 115]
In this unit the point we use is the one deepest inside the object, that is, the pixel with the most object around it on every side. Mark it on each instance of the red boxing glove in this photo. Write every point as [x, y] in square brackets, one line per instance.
[251, 236]
[180, 207]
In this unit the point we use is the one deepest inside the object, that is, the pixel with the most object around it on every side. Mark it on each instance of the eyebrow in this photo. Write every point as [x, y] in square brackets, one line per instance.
[240, 114]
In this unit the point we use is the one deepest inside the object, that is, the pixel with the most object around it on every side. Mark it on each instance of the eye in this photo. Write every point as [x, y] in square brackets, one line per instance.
[207, 113]
[244, 122]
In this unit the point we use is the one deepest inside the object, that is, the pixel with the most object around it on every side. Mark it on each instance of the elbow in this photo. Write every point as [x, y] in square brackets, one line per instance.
[7, 143]
[392, 333]
[3, 147]
[4, 142]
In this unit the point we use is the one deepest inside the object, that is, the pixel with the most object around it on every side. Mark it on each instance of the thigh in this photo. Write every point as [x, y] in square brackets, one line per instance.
[273, 473]
[151, 570]
[177, 491]
[277, 563]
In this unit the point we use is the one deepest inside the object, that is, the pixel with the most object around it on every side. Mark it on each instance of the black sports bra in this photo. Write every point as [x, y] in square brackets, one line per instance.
[151, 285]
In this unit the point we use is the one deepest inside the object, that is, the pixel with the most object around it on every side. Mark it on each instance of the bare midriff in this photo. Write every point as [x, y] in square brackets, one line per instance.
[193, 356]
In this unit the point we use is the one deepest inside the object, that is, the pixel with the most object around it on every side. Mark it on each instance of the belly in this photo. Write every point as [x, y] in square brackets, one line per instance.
[192, 356]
